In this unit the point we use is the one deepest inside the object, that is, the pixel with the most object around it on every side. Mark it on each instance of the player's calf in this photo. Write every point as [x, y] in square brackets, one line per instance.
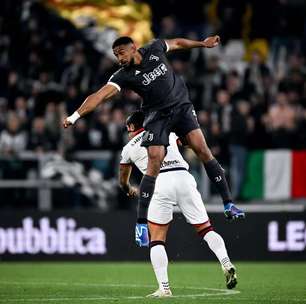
[159, 260]
[217, 245]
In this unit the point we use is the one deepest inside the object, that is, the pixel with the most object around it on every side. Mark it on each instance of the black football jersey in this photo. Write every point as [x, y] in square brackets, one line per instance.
[153, 79]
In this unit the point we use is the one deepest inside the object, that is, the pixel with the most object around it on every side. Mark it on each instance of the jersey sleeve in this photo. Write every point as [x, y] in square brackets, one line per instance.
[117, 80]
[157, 44]
[125, 157]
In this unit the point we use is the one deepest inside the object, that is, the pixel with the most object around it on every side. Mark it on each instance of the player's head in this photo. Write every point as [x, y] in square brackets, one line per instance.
[135, 121]
[124, 49]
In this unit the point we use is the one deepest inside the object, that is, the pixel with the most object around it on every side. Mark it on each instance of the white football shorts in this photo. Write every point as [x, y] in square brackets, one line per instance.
[176, 188]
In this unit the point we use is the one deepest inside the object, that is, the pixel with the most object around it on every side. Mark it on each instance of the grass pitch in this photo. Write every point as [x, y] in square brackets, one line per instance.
[81, 283]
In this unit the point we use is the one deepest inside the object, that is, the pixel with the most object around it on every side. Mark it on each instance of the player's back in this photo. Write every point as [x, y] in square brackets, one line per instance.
[134, 153]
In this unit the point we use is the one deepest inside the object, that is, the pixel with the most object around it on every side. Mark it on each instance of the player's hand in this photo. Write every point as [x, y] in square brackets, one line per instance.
[70, 120]
[212, 41]
[133, 192]
[67, 123]
[142, 235]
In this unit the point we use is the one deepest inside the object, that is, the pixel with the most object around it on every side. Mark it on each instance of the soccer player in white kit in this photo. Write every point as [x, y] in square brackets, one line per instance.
[175, 186]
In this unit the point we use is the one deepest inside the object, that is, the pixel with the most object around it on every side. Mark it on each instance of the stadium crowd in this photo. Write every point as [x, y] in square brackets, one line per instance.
[245, 98]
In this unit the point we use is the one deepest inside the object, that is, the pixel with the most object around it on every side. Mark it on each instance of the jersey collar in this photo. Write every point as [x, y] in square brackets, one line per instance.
[138, 131]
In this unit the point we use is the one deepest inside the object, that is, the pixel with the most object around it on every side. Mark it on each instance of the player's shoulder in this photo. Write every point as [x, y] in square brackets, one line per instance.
[155, 44]
[136, 140]
[118, 72]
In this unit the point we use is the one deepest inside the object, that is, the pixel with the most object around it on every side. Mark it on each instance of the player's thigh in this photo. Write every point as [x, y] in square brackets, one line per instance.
[190, 201]
[161, 206]
[160, 211]
[185, 120]
[196, 141]
[157, 125]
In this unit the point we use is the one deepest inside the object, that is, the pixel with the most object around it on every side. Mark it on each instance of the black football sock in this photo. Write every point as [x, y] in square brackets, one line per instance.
[216, 174]
[146, 191]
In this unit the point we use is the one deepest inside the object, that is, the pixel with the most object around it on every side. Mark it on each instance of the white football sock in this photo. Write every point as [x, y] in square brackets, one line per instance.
[159, 260]
[217, 245]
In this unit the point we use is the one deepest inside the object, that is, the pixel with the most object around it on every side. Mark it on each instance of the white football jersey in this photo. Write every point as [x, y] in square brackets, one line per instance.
[134, 153]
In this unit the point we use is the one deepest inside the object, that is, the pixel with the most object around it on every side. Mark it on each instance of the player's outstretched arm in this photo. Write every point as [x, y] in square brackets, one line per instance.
[90, 103]
[124, 180]
[181, 43]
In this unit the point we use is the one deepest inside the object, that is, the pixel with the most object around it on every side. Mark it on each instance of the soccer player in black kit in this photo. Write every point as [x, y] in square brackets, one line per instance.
[167, 108]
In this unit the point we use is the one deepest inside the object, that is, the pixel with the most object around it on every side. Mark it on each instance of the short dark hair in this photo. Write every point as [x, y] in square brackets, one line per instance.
[136, 119]
[122, 41]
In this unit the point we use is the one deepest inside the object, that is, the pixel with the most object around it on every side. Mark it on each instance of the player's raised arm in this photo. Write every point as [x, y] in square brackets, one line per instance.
[91, 102]
[181, 43]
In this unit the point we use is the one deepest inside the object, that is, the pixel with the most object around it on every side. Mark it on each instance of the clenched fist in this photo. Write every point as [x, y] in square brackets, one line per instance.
[66, 123]
[212, 41]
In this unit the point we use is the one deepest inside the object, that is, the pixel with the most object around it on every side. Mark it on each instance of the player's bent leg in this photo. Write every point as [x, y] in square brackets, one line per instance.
[156, 155]
[197, 143]
[159, 259]
[216, 244]
[215, 172]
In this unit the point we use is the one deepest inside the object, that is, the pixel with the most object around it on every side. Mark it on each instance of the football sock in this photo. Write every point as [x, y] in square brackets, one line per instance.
[216, 244]
[159, 260]
[216, 174]
[146, 191]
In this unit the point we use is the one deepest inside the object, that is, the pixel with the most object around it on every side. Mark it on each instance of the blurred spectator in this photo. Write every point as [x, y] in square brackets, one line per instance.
[223, 109]
[81, 139]
[53, 117]
[13, 139]
[256, 74]
[99, 134]
[117, 129]
[78, 73]
[105, 70]
[169, 28]
[281, 122]
[242, 125]
[3, 113]
[213, 78]
[73, 99]
[14, 87]
[233, 85]
[40, 139]
[21, 110]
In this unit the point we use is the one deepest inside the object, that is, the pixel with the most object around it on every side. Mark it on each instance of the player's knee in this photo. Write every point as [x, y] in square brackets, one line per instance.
[203, 230]
[157, 242]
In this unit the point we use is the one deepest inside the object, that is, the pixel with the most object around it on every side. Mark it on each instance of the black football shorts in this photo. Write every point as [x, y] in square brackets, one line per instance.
[180, 119]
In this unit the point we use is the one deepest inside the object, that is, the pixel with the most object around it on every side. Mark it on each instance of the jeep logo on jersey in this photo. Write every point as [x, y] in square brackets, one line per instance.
[151, 76]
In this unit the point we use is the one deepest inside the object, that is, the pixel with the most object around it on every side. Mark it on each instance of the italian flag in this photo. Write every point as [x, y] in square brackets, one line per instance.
[275, 175]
